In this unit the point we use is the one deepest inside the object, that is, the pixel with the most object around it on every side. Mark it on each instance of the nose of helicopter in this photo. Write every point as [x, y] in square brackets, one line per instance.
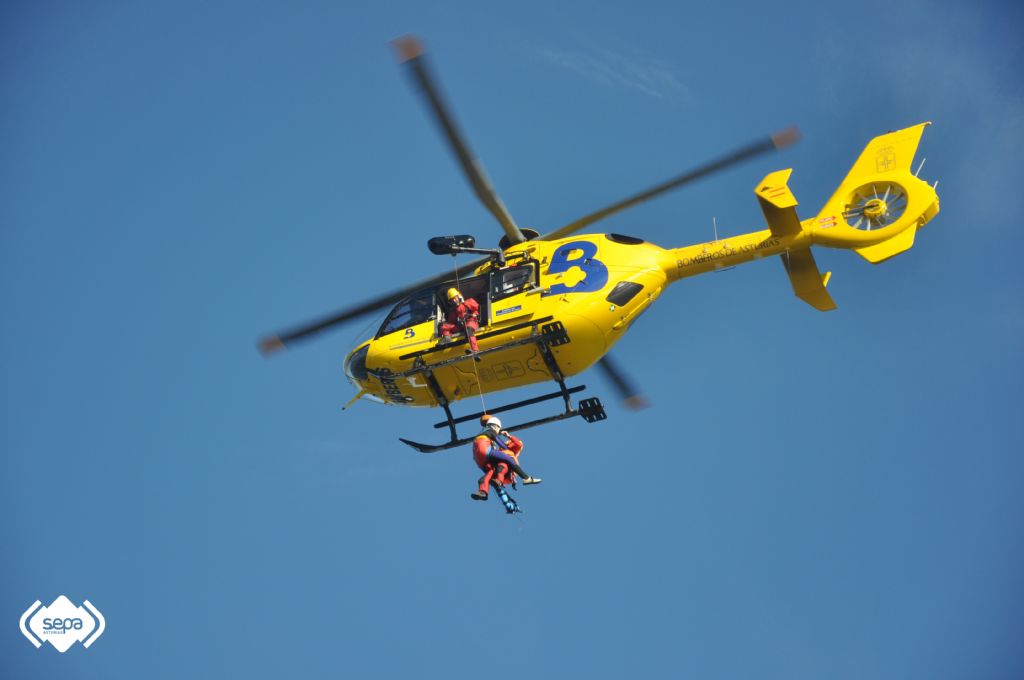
[355, 365]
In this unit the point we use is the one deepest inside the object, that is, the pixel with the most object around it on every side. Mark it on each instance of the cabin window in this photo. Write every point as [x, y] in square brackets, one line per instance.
[512, 280]
[411, 311]
[623, 292]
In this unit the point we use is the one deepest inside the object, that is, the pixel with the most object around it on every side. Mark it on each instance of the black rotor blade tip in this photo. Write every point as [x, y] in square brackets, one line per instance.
[630, 396]
[408, 48]
[636, 402]
[787, 137]
[271, 344]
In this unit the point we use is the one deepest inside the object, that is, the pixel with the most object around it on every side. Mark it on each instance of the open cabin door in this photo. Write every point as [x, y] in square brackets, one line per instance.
[513, 293]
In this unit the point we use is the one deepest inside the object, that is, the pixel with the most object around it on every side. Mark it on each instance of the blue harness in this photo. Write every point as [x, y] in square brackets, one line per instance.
[499, 444]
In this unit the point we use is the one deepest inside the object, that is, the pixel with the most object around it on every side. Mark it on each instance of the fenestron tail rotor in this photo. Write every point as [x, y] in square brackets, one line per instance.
[875, 205]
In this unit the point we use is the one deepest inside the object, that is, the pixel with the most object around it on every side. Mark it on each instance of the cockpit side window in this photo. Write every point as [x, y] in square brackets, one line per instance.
[415, 309]
[511, 280]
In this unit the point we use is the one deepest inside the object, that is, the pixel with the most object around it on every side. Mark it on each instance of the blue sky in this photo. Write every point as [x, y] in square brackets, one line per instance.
[810, 495]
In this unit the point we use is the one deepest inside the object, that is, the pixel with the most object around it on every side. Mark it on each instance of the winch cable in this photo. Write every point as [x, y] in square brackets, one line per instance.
[476, 369]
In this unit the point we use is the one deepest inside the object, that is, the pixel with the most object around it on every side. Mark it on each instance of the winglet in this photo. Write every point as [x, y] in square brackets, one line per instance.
[778, 203]
[806, 279]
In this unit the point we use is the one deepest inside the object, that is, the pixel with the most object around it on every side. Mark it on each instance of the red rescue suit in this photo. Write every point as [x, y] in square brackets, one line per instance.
[464, 317]
[487, 454]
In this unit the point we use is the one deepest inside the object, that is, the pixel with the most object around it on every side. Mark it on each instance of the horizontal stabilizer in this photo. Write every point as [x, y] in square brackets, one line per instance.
[808, 283]
[778, 203]
[886, 249]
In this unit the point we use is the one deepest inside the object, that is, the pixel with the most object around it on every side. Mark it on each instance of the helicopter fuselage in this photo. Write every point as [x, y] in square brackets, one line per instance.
[595, 285]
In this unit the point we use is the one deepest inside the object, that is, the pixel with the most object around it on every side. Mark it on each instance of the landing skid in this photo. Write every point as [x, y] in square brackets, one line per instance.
[590, 410]
[550, 335]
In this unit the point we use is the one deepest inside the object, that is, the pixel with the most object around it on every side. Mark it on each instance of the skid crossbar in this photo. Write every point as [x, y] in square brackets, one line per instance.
[509, 407]
[429, 448]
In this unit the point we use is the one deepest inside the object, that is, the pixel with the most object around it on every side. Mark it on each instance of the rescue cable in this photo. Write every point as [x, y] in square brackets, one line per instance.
[476, 370]
[511, 507]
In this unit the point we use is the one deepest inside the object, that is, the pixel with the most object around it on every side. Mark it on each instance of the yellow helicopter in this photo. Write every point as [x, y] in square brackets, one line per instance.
[552, 305]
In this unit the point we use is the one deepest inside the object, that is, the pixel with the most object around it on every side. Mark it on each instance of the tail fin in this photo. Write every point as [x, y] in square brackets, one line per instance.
[880, 204]
[876, 211]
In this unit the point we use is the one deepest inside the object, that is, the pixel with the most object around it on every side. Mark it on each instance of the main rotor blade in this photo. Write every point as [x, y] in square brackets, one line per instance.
[779, 140]
[273, 343]
[632, 398]
[410, 51]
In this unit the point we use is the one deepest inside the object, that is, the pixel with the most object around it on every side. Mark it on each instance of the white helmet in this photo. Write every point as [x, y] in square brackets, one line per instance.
[492, 422]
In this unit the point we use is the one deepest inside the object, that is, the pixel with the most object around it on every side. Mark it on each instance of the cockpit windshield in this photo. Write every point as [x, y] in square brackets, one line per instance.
[415, 309]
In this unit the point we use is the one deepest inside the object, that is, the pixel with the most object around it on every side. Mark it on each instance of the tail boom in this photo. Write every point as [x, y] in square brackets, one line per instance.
[875, 211]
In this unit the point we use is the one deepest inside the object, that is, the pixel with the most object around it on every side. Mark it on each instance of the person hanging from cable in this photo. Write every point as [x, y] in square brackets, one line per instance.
[496, 452]
[463, 315]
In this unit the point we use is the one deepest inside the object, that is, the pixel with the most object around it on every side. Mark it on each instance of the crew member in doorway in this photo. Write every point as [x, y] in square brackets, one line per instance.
[463, 315]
